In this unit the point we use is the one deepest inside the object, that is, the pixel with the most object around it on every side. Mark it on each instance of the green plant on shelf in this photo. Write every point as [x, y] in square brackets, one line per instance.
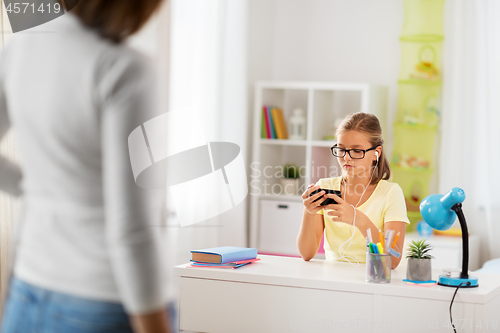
[290, 171]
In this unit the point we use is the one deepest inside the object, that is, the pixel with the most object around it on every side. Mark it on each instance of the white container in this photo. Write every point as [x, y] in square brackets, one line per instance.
[289, 186]
[297, 125]
[280, 222]
[419, 269]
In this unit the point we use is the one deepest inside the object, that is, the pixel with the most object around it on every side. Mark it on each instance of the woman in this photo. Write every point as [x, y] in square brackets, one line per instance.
[368, 200]
[87, 259]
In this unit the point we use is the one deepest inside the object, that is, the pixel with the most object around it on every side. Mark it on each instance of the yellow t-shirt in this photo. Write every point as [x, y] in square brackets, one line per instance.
[387, 203]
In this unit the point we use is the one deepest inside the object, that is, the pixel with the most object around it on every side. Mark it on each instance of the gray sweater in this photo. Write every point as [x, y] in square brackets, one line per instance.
[73, 99]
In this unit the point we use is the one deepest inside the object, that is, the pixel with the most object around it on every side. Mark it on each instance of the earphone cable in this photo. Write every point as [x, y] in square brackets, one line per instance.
[342, 255]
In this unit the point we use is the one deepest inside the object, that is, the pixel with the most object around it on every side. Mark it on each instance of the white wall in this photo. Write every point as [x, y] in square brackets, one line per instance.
[326, 40]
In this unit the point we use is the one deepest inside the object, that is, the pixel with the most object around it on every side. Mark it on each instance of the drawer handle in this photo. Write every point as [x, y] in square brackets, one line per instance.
[283, 206]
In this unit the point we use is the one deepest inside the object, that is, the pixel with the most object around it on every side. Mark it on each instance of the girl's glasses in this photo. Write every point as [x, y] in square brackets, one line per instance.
[354, 153]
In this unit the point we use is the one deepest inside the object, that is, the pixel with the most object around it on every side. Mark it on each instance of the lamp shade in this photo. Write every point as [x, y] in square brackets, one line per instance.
[436, 208]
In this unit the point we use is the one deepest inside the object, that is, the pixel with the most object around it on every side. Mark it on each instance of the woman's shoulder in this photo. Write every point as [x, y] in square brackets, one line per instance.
[332, 183]
[121, 66]
[120, 57]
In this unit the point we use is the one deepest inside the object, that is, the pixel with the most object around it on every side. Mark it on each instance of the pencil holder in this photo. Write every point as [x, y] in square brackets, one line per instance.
[378, 267]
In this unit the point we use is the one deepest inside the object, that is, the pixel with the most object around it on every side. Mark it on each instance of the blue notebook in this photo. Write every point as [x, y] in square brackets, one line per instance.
[223, 254]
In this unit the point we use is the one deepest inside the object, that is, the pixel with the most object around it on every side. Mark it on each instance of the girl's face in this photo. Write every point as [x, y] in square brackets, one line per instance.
[356, 167]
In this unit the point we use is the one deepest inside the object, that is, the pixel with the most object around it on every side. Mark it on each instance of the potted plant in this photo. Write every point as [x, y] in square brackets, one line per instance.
[290, 180]
[419, 261]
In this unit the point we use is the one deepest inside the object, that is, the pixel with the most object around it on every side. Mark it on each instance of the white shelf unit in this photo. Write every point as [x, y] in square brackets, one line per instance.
[324, 103]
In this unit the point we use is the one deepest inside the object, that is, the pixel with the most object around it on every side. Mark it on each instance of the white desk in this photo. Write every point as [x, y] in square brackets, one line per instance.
[281, 294]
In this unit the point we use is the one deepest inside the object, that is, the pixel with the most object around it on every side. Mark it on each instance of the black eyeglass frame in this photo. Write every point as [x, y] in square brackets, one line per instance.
[348, 151]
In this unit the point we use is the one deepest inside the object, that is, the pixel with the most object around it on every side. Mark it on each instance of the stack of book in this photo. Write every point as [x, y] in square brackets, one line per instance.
[273, 123]
[224, 257]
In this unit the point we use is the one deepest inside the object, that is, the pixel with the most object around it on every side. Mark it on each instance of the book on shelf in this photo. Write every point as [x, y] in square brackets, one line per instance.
[274, 117]
[272, 126]
[223, 254]
[280, 123]
[263, 128]
[273, 123]
[265, 116]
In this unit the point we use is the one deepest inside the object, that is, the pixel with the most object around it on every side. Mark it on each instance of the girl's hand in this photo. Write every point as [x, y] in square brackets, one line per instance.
[342, 211]
[310, 206]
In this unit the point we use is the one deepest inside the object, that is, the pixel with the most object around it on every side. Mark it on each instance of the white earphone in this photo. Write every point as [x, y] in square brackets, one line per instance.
[376, 154]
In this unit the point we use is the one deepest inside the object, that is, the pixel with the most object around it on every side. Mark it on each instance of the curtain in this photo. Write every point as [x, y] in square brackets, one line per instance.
[207, 68]
[9, 209]
[470, 145]
[9, 206]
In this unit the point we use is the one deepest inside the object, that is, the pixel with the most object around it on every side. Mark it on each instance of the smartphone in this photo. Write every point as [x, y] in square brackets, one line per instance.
[328, 201]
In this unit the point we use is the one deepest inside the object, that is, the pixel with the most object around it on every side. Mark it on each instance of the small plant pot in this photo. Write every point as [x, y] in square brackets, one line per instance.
[419, 269]
[290, 186]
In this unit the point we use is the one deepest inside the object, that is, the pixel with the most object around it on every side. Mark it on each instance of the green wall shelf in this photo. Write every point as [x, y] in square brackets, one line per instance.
[418, 103]
[420, 60]
[423, 18]
[417, 119]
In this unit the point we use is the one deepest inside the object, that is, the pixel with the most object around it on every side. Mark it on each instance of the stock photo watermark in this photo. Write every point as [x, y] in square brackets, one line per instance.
[27, 14]
[215, 169]
[266, 179]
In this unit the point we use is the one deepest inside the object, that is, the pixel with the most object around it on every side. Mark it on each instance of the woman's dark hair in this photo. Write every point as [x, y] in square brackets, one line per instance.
[369, 125]
[115, 19]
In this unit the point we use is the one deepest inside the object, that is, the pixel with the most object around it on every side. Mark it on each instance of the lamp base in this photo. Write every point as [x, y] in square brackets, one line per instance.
[447, 281]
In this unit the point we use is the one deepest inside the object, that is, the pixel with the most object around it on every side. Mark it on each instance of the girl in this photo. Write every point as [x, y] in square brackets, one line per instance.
[368, 200]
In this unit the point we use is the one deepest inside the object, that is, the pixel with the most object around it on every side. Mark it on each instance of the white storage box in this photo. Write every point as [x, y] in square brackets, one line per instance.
[279, 226]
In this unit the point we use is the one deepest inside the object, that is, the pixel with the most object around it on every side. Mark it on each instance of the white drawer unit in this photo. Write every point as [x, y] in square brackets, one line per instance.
[279, 226]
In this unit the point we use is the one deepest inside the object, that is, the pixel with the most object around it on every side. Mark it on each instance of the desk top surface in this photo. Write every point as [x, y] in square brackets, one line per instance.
[339, 276]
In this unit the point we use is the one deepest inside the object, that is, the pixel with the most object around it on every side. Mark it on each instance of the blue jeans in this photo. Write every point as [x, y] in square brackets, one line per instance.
[32, 309]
